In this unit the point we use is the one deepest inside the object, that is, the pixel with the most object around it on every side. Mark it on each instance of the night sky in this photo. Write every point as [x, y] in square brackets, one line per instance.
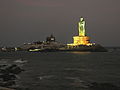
[23, 21]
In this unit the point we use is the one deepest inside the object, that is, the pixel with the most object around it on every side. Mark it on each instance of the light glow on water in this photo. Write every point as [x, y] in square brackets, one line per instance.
[81, 53]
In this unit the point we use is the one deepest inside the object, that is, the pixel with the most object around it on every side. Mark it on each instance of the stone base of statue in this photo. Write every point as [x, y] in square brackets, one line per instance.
[78, 48]
[89, 48]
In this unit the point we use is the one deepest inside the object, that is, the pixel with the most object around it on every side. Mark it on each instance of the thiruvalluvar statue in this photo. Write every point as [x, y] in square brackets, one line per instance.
[81, 27]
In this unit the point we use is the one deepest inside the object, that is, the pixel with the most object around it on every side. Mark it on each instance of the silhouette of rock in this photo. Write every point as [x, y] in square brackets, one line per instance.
[8, 74]
[14, 69]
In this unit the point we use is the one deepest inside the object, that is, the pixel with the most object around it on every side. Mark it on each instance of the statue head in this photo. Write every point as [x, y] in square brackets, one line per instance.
[81, 19]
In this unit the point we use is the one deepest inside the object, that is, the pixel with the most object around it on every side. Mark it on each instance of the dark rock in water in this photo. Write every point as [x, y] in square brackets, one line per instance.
[7, 77]
[14, 69]
[10, 69]
[7, 83]
[103, 86]
[98, 48]
[8, 74]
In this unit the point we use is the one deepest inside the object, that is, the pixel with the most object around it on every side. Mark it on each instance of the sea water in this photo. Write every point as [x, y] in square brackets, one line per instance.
[65, 70]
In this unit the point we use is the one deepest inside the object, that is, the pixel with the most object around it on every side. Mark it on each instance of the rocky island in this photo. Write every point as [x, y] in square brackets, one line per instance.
[80, 43]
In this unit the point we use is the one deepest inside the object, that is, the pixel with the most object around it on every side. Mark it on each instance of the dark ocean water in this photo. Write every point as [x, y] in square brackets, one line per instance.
[65, 70]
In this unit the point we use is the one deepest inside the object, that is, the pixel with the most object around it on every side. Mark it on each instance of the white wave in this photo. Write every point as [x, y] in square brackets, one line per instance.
[20, 61]
[46, 77]
[78, 82]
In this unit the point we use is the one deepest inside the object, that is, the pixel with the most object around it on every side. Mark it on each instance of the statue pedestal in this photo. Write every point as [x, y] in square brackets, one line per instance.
[81, 40]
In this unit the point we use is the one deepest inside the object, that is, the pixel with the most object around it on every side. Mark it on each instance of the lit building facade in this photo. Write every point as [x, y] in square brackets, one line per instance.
[81, 39]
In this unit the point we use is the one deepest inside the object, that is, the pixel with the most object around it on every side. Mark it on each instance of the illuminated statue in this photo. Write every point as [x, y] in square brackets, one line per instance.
[81, 39]
[81, 27]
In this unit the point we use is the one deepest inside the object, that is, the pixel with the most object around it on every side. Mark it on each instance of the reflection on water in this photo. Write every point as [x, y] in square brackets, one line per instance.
[81, 53]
